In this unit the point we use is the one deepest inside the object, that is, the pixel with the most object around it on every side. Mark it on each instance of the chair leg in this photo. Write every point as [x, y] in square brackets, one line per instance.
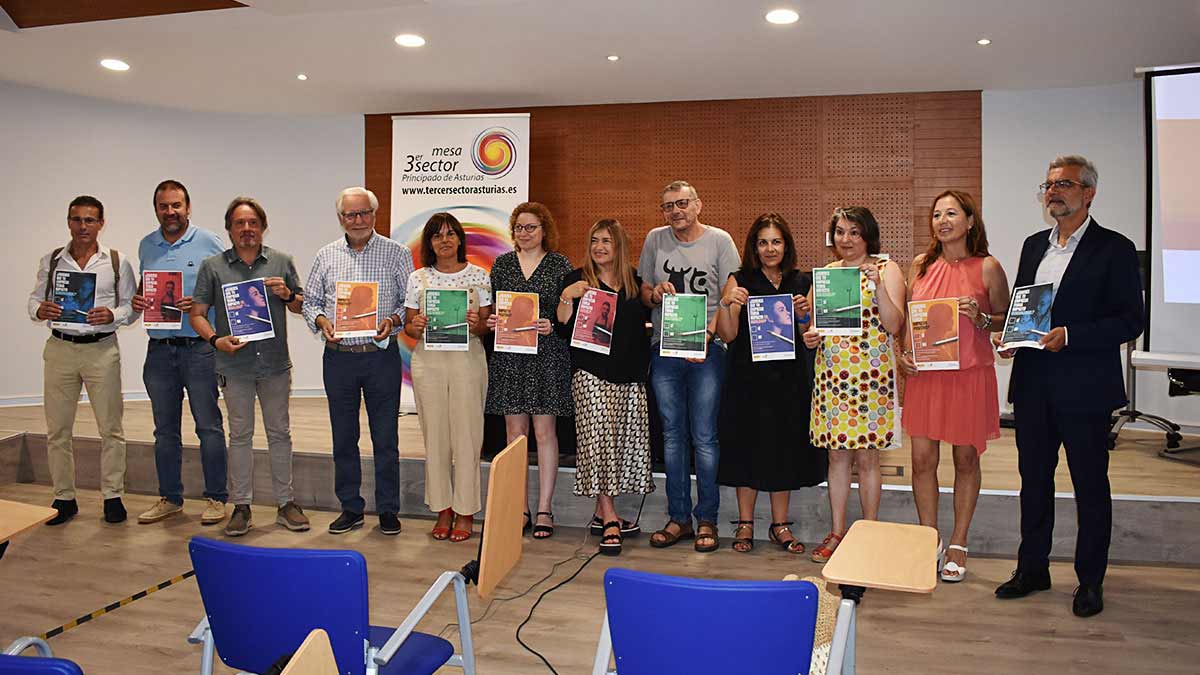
[467, 644]
[372, 667]
[841, 650]
[603, 650]
[207, 653]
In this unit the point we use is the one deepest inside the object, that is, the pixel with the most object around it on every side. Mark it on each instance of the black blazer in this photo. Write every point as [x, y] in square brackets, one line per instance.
[1100, 302]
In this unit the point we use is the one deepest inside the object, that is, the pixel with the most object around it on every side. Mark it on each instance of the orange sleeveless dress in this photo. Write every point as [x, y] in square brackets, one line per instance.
[960, 407]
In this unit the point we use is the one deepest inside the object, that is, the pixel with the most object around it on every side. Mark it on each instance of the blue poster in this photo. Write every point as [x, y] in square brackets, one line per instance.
[248, 310]
[772, 324]
[75, 293]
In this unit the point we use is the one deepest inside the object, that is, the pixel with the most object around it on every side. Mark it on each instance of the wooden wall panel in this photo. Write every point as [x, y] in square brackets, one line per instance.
[800, 157]
[35, 13]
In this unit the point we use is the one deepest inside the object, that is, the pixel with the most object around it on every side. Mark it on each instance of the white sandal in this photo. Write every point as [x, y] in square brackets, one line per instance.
[953, 572]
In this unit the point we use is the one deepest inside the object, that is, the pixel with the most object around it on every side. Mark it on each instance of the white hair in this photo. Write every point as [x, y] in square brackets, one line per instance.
[360, 191]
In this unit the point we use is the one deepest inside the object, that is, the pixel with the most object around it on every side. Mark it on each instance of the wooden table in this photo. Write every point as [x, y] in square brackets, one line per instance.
[315, 656]
[887, 556]
[16, 517]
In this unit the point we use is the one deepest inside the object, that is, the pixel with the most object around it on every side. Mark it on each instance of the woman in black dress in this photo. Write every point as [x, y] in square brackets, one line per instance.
[611, 420]
[764, 403]
[537, 386]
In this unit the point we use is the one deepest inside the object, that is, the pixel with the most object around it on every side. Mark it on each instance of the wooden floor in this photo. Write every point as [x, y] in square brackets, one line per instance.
[1135, 468]
[52, 575]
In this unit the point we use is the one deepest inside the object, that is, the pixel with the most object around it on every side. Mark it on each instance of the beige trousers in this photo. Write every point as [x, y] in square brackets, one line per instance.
[68, 368]
[450, 389]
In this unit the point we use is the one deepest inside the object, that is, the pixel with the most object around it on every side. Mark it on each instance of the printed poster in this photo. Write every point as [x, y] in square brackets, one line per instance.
[447, 329]
[516, 322]
[837, 300]
[356, 313]
[594, 320]
[772, 322]
[75, 293]
[1028, 316]
[162, 290]
[684, 322]
[933, 328]
[248, 311]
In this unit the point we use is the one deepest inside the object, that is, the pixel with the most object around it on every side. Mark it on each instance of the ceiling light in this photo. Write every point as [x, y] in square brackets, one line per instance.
[410, 40]
[613, 57]
[115, 64]
[302, 77]
[782, 16]
[983, 42]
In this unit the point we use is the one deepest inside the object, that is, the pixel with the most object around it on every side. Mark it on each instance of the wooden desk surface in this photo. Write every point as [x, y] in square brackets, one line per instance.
[315, 656]
[16, 517]
[890, 556]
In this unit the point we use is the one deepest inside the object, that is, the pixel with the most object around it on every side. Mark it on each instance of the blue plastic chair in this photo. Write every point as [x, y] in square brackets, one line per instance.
[658, 624]
[44, 664]
[261, 603]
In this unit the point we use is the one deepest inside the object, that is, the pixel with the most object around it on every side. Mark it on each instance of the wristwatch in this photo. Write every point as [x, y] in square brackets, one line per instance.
[213, 340]
[292, 296]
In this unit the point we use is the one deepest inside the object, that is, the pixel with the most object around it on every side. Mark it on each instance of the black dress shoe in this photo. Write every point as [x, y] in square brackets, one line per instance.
[67, 508]
[114, 510]
[349, 520]
[1089, 600]
[389, 523]
[1023, 583]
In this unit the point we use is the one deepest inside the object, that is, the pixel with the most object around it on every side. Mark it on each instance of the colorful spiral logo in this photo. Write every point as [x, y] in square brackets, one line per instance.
[494, 151]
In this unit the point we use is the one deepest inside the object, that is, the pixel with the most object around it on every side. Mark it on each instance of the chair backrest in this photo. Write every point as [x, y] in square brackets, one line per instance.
[34, 665]
[662, 624]
[262, 603]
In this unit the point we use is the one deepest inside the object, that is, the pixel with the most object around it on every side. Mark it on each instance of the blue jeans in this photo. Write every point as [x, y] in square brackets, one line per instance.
[373, 378]
[689, 398]
[168, 371]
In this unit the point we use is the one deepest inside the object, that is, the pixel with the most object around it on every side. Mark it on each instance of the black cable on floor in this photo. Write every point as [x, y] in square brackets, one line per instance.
[546, 592]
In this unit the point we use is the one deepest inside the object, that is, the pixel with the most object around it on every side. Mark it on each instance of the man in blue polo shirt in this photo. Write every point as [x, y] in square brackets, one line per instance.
[177, 360]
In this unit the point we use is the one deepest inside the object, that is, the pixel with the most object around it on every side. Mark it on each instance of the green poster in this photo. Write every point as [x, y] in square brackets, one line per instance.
[837, 301]
[684, 322]
[447, 313]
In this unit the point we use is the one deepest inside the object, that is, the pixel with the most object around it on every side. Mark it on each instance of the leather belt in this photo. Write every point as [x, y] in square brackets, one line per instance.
[353, 349]
[181, 341]
[79, 339]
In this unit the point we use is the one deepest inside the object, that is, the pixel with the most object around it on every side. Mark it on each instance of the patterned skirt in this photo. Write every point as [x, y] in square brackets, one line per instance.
[612, 432]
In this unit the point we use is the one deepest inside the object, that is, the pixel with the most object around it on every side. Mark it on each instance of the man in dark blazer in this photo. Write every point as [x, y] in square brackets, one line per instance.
[1064, 394]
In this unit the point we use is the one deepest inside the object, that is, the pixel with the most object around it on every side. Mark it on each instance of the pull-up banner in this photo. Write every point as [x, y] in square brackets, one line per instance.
[475, 167]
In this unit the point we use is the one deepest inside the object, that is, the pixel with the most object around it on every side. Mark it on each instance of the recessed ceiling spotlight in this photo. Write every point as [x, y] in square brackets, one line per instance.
[782, 17]
[302, 77]
[114, 64]
[983, 42]
[613, 57]
[410, 40]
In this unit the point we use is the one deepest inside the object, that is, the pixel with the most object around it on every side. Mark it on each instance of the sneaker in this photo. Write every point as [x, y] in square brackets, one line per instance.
[214, 512]
[346, 522]
[114, 510]
[389, 523]
[240, 522]
[291, 517]
[67, 508]
[160, 511]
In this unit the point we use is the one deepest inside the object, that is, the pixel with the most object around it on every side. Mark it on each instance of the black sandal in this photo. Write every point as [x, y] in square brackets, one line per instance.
[544, 531]
[610, 544]
[528, 523]
[742, 544]
[792, 545]
[596, 527]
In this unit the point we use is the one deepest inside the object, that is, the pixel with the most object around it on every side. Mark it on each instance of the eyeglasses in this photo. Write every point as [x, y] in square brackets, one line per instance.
[351, 216]
[680, 204]
[76, 220]
[526, 228]
[1060, 184]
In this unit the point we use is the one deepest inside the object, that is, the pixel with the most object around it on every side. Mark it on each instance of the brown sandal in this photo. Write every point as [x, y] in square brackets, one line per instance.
[775, 534]
[664, 537]
[742, 544]
[824, 552]
[707, 530]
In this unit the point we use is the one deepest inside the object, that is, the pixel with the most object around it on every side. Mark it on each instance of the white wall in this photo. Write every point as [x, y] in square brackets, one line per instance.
[1022, 131]
[55, 146]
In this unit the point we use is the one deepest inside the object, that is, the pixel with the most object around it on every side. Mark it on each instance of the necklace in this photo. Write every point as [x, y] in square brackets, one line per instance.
[775, 279]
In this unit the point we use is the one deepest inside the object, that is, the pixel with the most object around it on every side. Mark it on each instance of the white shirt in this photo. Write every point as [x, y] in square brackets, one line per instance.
[1054, 262]
[101, 265]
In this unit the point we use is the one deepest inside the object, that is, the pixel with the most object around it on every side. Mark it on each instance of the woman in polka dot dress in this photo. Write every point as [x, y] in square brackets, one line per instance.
[854, 403]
